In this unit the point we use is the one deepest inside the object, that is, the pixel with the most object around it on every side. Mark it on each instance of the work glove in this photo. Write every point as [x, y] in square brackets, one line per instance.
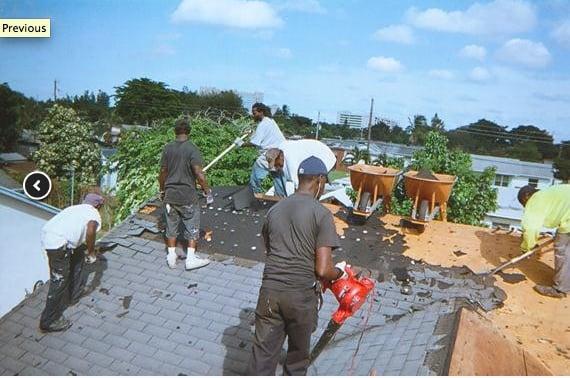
[341, 265]
[238, 142]
[90, 259]
[209, 197]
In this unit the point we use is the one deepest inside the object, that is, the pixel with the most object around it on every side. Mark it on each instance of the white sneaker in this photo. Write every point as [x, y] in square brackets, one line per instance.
[171, 260]
[195, 262]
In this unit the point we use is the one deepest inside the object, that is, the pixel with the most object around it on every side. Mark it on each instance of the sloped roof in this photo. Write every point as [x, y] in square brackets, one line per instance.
[140, 317]
[512, 167]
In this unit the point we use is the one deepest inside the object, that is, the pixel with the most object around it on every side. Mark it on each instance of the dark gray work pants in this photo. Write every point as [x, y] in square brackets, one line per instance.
[65, 282]
[562, 263]
[279, 314]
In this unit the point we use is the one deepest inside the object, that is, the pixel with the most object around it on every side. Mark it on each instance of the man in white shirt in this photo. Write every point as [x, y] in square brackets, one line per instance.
[267, 135]
[291, 153]
[61, 238]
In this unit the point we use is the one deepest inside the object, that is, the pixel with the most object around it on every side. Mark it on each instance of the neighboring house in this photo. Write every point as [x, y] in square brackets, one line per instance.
[108, 181]
[28, 143]
[22, 261]
[511, 175]
[12, 158]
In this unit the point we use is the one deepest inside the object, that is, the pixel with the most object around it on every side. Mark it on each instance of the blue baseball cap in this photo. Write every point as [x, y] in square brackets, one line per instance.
[313, 166]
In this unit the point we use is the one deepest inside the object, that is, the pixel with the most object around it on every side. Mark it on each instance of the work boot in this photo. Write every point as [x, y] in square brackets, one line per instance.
[549, 291]
[195, 262]
[59, 325]
[171, 259]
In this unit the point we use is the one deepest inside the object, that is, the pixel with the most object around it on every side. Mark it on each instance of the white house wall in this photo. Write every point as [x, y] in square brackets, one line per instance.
[22, 263]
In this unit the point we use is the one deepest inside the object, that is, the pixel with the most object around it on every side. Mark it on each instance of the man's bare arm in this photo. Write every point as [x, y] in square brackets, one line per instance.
[162, 178]
[324, 267]
[199, 174]
[90, 236]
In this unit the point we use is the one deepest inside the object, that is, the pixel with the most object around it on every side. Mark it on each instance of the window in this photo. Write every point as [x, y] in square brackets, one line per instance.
[502, 180]
[533, 182]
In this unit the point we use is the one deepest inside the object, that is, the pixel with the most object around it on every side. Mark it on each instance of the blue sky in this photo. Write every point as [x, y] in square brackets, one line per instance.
[504, 60]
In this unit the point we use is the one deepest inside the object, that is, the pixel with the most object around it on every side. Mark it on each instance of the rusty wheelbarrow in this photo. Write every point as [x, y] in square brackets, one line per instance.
[374, 185]
[429, 193]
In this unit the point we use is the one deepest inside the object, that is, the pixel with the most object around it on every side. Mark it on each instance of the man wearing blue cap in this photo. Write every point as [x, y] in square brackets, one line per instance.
[299, 235]
[62, 237]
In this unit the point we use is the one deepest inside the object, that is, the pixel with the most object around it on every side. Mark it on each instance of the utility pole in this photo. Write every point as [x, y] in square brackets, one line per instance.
[55, 90]
[318, 125]
[370, 123]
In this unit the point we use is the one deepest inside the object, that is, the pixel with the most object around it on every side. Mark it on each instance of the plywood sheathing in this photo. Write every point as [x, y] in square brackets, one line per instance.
[480, 348]
[541, 325]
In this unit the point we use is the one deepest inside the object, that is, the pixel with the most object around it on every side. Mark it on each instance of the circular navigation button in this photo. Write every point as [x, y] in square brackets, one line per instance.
[37, 185]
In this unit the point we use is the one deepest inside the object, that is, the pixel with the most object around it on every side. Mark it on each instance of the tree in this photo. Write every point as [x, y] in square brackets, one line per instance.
[562, 162]
[142, 101]
[437, 123]
[65, 142]
[418, 129]
[9, 128]
[544, 142]
[481, 137]
[526, 151]
[473, 194]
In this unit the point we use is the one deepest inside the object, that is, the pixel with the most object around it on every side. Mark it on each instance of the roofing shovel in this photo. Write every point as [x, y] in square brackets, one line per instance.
[231, 147]
[351, 293]
[519, 258]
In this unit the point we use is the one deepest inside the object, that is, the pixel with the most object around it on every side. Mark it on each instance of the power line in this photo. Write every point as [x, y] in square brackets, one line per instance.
[510, 137]
[508, 133]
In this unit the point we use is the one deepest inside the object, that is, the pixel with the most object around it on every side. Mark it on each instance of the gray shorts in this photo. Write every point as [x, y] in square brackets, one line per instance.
[186, 217]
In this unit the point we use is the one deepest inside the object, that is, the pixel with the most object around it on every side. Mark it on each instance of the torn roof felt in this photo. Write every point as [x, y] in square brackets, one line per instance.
[139, 317]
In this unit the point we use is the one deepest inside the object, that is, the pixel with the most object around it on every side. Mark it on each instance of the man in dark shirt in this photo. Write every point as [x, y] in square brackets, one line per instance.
[180, 166]
[299, 234]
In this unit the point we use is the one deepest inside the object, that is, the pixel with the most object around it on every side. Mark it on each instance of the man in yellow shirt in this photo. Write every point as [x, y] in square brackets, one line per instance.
[549, 208]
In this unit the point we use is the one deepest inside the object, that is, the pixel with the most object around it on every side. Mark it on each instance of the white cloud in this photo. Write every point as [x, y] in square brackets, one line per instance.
[384, 64]
[479, 74]
[442, 74]
[283, 53]
[524, 52]
[473, 52]
[245, 14]
[503, 17]
[395, 33]
[307, 6]
[562, 33]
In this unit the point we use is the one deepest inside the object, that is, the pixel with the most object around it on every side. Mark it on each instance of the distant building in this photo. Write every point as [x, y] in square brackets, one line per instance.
[354, 121]
[250, 98]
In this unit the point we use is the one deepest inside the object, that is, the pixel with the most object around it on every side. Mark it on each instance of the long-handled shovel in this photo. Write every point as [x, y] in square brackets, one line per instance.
[231, 147]
[519, 258]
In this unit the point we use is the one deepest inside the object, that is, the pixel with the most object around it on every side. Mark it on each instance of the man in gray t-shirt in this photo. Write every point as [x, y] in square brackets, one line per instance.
[299, 234]
[180, 167]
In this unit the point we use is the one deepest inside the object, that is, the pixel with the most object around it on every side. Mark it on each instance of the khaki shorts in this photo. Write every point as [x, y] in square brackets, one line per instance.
[186, 217]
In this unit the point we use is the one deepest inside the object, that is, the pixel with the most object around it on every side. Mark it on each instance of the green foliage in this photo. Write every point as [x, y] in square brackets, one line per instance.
[526, 151]
[473, 194]
[351, 193]
[9, 130]
[389, 161]
[141, 101]
[357, 154]
[139, 152]
[144, 101]
[66, 142]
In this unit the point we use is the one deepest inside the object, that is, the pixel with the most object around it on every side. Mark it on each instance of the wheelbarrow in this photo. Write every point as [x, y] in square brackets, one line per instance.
[374, 186]
[429, 193]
